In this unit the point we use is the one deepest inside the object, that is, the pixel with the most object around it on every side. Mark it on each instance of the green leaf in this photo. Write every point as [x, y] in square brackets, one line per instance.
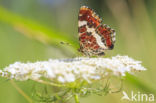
[33, 29]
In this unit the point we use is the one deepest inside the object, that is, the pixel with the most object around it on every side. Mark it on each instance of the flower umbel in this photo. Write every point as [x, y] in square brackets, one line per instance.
[72, 71]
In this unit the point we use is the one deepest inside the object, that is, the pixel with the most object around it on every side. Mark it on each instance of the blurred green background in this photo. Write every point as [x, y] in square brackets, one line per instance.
[31, 30]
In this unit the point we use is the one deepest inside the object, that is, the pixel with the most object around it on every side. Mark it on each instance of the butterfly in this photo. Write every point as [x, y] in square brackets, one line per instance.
[94, 37]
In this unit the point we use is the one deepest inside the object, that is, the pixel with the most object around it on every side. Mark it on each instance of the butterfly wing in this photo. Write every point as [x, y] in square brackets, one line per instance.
[91, 36]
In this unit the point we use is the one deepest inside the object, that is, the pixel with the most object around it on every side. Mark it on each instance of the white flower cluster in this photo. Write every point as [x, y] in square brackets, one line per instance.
[70, 70]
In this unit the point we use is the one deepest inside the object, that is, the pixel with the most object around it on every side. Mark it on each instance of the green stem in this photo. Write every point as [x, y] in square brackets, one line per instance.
[48, 83]
[21, 92]
[76, 98]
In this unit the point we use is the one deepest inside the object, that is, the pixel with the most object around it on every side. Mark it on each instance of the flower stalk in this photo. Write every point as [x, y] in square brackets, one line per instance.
[76, 98]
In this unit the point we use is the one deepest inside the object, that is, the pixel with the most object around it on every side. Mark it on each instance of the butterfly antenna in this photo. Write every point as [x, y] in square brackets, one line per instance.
[65, 43]
[68, 44]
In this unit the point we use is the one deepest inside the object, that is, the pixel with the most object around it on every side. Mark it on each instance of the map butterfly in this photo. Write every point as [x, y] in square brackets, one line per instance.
[94, 37]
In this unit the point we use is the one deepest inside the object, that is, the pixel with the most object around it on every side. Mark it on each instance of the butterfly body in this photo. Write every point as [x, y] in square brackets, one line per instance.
[94, 36]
